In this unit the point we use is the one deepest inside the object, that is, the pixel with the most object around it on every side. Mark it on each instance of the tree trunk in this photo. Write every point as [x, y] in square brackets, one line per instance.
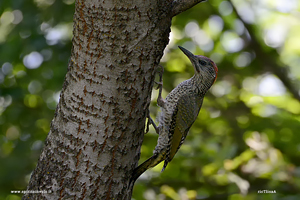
[98, 127]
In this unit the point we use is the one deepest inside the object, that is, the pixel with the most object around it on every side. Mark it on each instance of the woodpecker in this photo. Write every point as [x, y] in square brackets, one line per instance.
[179, 111]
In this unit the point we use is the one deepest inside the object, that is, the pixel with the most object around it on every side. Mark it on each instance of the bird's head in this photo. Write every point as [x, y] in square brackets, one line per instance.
[203, 66]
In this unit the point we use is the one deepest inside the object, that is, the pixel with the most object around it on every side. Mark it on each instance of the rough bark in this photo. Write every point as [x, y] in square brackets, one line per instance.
[179, 6]
[98, 127]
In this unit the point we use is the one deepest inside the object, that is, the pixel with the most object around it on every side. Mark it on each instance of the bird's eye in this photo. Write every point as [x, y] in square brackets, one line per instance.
[201, 62]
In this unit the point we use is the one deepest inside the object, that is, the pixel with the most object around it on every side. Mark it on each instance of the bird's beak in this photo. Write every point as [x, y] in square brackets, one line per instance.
[190, 56]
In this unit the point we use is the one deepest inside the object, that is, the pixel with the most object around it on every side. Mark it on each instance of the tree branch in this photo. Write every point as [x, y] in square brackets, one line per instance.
[266, 55]
[178, 6]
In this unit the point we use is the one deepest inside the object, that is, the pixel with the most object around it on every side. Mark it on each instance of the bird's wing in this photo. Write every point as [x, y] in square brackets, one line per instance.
[184, 115]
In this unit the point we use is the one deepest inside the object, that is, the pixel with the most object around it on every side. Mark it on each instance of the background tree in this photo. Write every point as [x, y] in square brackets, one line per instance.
[245, 138]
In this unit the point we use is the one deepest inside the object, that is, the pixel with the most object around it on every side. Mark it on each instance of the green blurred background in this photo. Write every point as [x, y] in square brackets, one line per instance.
[245, 138]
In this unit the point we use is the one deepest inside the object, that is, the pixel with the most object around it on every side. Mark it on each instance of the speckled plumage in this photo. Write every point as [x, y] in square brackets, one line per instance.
[179, 111]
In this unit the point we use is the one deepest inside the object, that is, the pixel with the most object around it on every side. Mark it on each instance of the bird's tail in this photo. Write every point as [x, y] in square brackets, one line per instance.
[165, 165]
[150, 162]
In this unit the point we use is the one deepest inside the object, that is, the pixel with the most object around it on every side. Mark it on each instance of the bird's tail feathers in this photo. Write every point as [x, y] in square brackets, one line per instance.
[150, 162]
[165, 165]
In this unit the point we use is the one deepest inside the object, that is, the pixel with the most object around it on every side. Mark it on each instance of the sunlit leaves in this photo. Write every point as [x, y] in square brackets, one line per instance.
[248, 123]
[246, 136]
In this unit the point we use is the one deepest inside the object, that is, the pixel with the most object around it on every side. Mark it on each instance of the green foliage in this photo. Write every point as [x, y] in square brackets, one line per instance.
[245, 138]
[33, 65]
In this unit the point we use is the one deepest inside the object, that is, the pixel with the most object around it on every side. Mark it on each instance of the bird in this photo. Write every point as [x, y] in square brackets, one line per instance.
[179, 111]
